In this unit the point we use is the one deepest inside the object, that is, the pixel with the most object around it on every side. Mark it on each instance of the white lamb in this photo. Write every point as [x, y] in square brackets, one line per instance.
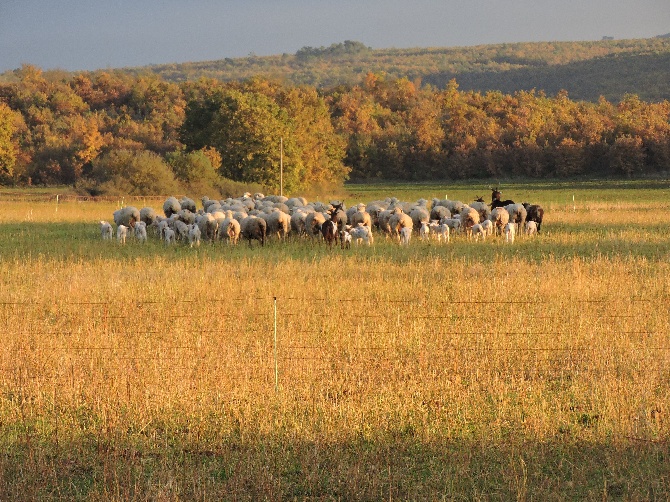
[510, 231]
[121, 233]
[106, 230]
[141, 231]
[405, 236]
[168, 236]
[440, 231]
[424, 231]
[531, 228]
[477, 231]
[487, 225]
[362, 233]
[194, 235]
[345, 239]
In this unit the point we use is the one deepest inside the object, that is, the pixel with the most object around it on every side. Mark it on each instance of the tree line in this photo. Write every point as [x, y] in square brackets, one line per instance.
[113, 132]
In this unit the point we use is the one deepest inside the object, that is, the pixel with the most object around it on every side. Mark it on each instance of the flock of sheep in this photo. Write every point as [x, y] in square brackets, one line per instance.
[258, 217]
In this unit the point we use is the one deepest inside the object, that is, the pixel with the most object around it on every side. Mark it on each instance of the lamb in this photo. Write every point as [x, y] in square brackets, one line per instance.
[253, 227]
[477, 230]
[194, 235]
[141, 231]
[106, 230]
[345, 239]
[424, 232]
[487, 226]
[531, 228]
[171, 206]
[510, 230]
[168, 236]
[440, 231]
[362, 233]
[121, 233]
[126, 216]
[405, 236]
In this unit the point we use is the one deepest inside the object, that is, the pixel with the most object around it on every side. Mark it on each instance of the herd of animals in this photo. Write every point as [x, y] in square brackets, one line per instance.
[259, 217]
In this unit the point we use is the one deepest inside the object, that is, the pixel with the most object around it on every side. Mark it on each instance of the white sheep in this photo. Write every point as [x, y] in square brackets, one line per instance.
[477, 231]
[194, 235]
[424, 231]
[121, 233]
[362, 233]
[499, 217]
[405, 236]
[141, 231]
[440, 231]
[510, 230]
[531, 228]
[345, 239]
[106, 230]
[487, 225]
[168, 235]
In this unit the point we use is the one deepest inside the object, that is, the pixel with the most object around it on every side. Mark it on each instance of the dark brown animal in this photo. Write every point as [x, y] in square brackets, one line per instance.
[534, 212]
[329, 232]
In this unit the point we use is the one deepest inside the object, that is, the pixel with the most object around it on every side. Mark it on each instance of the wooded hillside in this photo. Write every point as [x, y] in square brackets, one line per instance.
[121, 132]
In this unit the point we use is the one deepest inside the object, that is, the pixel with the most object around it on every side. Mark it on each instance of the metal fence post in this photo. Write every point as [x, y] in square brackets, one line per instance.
[275, 346]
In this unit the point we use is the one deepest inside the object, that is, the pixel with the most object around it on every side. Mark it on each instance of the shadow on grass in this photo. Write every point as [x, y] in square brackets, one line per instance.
[275, 468]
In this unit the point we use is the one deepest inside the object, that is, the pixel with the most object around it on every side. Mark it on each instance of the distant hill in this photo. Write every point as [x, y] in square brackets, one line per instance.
[586, 70]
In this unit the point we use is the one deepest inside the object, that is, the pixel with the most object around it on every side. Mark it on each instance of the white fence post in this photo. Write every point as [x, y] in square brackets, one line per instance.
[275, 347]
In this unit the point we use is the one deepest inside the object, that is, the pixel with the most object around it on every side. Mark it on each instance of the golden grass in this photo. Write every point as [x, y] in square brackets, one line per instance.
[400, 375]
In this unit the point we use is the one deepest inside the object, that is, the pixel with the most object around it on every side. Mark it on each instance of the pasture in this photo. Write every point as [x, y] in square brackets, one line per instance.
[469, 371]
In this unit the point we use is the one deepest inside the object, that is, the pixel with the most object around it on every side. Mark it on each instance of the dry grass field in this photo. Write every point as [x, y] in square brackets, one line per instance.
[471, 371]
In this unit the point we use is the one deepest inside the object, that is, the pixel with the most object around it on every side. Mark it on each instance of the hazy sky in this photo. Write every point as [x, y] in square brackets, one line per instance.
[93, 34]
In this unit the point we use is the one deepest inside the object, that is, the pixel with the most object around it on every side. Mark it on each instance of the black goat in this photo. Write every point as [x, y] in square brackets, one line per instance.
[534, 212]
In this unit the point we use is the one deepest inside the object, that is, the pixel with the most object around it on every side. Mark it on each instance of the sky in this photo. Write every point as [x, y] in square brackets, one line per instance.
[79, 35]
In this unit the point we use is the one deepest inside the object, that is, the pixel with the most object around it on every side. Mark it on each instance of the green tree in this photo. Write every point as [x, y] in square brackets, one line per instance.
[8, 147]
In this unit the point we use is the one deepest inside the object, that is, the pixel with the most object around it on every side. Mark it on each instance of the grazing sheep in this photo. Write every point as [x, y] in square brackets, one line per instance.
[439, 212]
[230, 230]
[106, 230]
[313, 222]
[517, 214]
[126, 216]
[482, 208]
[454, 224]
[405, 236]
[208, 226]
[383, 221]
[362, 233]
[510, 230]
[147, 215]
[298, 222]
[469, 218]
[278, 223]
[534, 212]
[188, 204]
[141, 231]
[398, 221]
[419, 215]
[121, 233]
[253, 227]
[359, 215]
[500, 218]
[194, 235]
[187, 216]
[171, 206]
[180, 229]
[531, 228]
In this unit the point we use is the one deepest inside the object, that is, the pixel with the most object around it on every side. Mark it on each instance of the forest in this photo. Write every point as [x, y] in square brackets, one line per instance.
[119, 131]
